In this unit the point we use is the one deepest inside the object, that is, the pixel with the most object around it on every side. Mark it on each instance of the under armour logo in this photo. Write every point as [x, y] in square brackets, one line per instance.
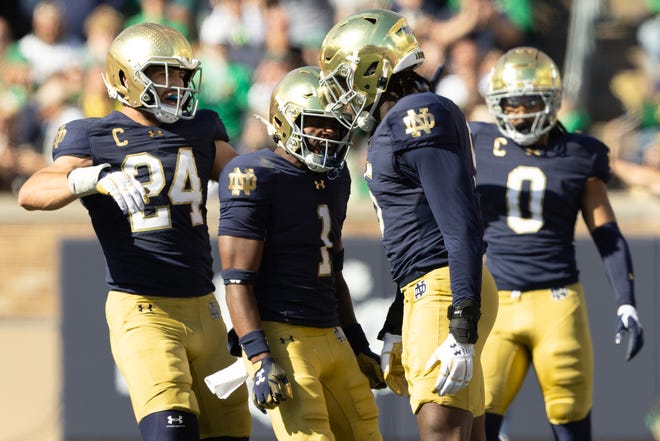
[171, 420]
[153, 134]
[559, 293]
[420, 289]
[261, 377]
[149, 307]
[339, 334]
[320, 185]
[285, 339]
[416, 123]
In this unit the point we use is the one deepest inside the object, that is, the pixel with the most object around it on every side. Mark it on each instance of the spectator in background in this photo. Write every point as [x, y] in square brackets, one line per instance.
[155, 11]
[101, 27]
[279, 58]
[309, 20]
[14, 70]
[49, 49]
[239, 25]
[461, 83]
[51, 106]
[225, 87]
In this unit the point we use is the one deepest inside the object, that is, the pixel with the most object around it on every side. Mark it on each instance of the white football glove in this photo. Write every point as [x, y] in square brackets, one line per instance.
[629, 323]
[127, 191]
[455, 365]
[390, 362]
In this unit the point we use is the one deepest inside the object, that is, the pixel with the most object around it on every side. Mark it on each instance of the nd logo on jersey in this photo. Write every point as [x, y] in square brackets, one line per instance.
[416, 123]
[242, 181]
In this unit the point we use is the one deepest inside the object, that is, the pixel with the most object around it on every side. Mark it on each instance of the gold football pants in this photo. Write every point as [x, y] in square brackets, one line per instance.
[548, 328]
[164, 347]
[331, 397]
[426, 326]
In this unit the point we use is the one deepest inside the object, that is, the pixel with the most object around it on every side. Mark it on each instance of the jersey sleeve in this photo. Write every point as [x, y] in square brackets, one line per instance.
[448, 185]
[72, 139]
[244, 199]
[210, 121]
[422, 120]
[601, 161]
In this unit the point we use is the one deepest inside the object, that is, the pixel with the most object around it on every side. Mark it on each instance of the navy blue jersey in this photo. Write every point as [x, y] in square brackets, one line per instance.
[299, 214]
[164, 250]
[530, 199]
[420, 172]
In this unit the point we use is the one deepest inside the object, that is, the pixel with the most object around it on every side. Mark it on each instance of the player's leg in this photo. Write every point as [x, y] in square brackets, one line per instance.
[575, 431]
[303, 354]
[227, 419]
[425, 327]
[169, 425]
[489, 312]
[147, 342]
[351, 405]
[505, 358]
[563, 360]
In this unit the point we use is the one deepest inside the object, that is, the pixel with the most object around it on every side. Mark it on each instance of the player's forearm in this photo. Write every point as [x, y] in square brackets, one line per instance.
[47, 189]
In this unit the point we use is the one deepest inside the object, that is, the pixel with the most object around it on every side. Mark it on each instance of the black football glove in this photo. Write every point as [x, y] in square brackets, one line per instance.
[628, 322]
[270, 385]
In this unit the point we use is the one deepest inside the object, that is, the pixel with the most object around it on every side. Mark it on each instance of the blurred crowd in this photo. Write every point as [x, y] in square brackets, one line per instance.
[52, 55]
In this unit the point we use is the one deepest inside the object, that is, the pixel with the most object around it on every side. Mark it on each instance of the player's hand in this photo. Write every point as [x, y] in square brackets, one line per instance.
[369, 363]
[127, 191]
[628, 322]
[392, 366]
[455, 365]
[271, 386]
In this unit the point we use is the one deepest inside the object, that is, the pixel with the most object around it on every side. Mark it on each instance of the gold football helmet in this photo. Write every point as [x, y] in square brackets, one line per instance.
[147, 44]
[358, 57]
[525, 73]
[295, 104]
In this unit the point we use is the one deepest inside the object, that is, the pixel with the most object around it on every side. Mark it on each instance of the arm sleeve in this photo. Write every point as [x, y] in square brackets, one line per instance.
[394, 320]
[615, 253]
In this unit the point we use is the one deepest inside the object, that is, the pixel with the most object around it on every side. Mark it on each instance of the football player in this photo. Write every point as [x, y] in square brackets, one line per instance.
[281, 216]
[142, 174]
[420, 174]
[534, 178]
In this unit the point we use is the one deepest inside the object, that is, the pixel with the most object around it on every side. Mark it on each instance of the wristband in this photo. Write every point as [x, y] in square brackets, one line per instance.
[233, 276]
[254, 343]
[356, 338]
[82, 181]
[463, 321]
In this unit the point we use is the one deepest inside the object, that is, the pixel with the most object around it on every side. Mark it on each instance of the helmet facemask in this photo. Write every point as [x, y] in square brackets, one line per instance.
[533, 125]
[319, 154]
[297, 104]
[184, 105]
